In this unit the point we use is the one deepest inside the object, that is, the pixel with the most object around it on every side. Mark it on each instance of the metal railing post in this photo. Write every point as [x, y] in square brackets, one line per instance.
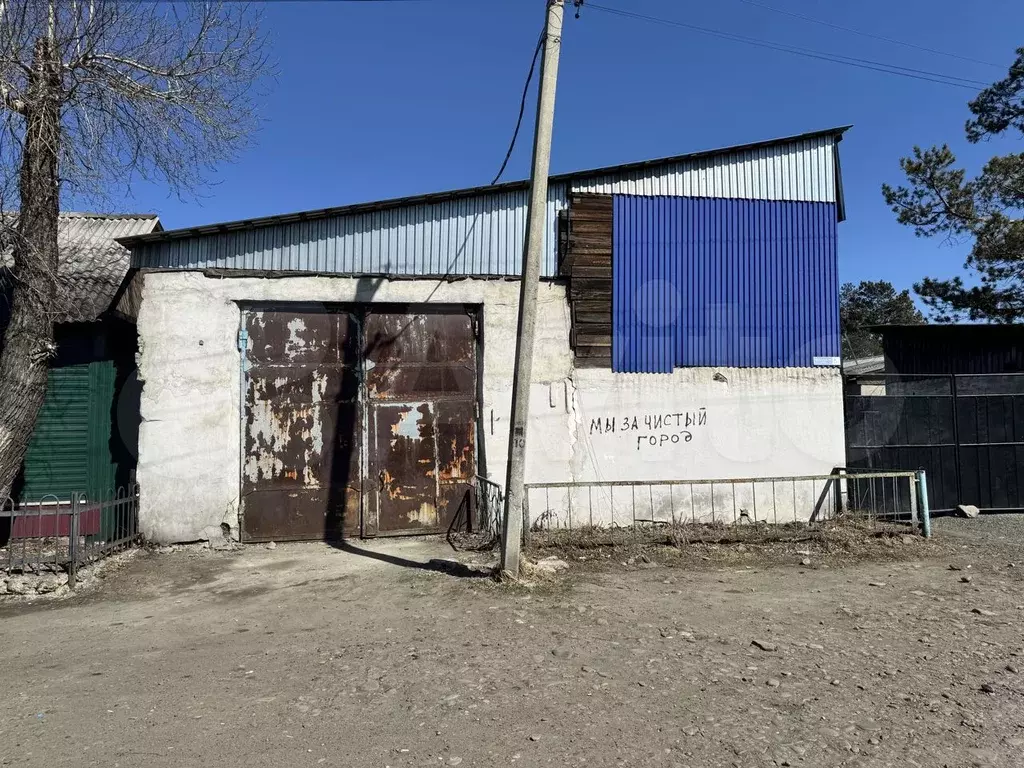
[922, 504]
[73, 541]
[915, 517]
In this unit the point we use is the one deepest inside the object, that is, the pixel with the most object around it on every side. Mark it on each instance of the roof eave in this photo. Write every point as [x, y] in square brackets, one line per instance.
[439, 197]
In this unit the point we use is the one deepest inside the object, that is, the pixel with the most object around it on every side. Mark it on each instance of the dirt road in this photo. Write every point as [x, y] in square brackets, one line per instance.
[308, 656]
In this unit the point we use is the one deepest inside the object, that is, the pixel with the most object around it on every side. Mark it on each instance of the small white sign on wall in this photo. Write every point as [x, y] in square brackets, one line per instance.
[825, 361]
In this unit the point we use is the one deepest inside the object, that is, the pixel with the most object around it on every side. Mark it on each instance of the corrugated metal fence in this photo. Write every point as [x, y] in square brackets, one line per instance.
[722, 282]
[966, 431]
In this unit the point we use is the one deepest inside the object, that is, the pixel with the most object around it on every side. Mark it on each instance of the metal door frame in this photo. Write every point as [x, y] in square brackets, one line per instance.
[360, 311]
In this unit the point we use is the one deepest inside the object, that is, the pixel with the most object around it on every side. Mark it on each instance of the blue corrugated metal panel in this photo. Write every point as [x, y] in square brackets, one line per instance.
[717, 282]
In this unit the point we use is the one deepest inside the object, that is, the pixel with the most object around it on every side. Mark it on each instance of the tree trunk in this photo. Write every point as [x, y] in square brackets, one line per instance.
[28, 344]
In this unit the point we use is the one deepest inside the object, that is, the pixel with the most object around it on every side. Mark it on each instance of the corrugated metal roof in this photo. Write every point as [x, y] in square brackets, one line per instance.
[801, 170]
[719, 282]
[481, 231]
[93, 263]
[863, 365]
[961, 348]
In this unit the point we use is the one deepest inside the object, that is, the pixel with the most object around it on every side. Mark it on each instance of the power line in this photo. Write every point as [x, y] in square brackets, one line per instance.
[878, 66]
[835, 58]
[873, 36]
[522, 107]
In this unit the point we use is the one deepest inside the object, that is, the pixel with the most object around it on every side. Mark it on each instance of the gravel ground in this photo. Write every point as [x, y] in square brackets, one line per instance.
[1003, 534]
[309, 656]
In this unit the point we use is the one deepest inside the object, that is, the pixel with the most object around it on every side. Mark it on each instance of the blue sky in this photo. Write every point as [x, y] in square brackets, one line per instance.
[383, 99]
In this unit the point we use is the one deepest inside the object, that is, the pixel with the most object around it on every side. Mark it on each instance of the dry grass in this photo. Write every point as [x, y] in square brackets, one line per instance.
[696, 545]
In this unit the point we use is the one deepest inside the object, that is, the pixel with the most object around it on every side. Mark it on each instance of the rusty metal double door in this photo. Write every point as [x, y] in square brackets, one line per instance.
[357, 421]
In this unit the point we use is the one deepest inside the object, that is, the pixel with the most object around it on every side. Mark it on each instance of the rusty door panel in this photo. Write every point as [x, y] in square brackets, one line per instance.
[302, 431]
[303, 385]
[300, 338]
[456, 441]
[421, 379]
[274, 516]
[343, 431]
[282, 448]
[311, 376]
[405, 458]
[427, 337]
[456, 457]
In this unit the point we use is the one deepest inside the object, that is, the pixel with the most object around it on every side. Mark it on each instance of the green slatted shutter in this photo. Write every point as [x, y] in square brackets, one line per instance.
[70, 447]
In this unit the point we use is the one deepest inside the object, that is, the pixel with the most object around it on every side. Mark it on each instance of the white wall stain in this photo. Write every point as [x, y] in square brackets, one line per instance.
[425, 515]
[295, 342]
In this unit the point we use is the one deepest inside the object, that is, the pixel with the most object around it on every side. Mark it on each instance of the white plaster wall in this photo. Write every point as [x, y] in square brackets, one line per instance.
[189, 440]
[699, 423]
[745, 422]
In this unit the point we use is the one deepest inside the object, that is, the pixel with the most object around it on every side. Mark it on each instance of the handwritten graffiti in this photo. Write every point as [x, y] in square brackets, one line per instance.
[659, 441]
[656, 430]
[649, 421]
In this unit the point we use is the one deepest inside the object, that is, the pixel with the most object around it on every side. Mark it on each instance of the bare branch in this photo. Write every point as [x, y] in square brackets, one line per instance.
[11, 99]
[94, 94]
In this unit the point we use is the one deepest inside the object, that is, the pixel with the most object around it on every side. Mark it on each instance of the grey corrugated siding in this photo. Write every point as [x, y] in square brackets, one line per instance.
[479, 235]
[483, 234]
[800, 171]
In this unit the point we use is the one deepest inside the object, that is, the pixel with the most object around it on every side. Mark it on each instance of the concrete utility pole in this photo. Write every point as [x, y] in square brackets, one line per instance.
[534, 253]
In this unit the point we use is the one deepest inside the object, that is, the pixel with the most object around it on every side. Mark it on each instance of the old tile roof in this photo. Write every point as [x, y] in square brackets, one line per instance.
[93, 264]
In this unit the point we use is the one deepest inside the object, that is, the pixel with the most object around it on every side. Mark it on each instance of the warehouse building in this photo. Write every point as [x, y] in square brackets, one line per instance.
[348, 371]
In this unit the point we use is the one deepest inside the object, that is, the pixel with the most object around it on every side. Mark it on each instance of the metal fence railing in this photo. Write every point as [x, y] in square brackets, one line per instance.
[490, 506]
[871, 498]
[53, 534]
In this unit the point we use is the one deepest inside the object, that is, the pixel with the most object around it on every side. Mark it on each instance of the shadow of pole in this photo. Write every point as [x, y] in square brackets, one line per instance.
[449, 567]
[348, 425]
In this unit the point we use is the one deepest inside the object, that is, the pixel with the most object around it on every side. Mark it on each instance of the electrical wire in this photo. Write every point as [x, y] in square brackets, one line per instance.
[522, 107]
[835, 58]
[853, 31]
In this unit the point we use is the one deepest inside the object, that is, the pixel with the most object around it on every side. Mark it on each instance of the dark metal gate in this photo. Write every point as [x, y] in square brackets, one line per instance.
[312, 378]
[966, 431]
[421, 396]
[302, 425]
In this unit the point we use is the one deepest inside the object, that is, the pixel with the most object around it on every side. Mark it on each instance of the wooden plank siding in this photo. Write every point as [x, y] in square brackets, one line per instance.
[587, 262]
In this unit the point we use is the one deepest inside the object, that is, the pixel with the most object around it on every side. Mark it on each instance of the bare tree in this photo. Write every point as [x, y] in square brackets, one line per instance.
[93, 94]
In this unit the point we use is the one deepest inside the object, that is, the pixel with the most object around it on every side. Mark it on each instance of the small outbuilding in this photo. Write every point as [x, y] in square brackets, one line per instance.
[85, 438]
[953, 349]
